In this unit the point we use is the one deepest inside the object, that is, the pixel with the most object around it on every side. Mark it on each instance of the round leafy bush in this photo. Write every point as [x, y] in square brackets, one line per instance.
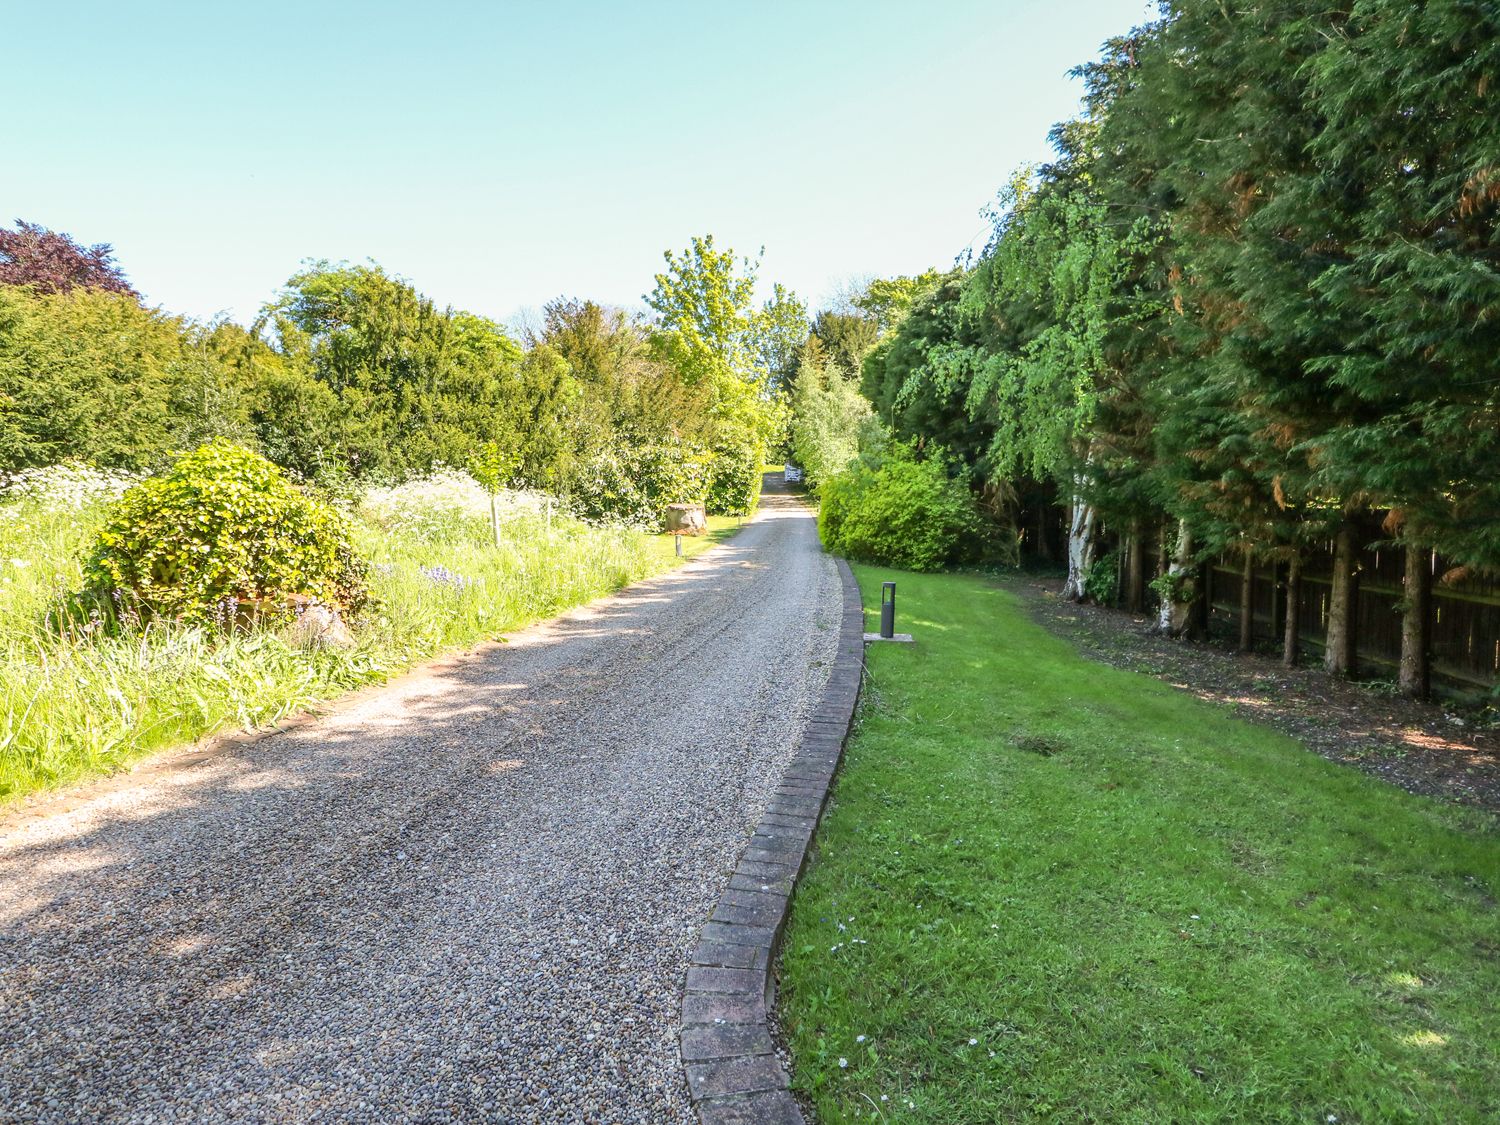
[903, 513]
[734, 476]
[223, 527]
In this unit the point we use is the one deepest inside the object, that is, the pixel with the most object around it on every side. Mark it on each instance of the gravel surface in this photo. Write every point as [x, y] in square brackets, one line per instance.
[467, 896]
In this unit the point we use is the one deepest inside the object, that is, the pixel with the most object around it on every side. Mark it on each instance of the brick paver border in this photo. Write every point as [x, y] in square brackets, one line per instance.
[733, 1075]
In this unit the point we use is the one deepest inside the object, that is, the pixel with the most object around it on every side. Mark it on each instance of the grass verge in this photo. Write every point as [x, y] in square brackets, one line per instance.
[1049, 890]
[74, 708]
[720, 528]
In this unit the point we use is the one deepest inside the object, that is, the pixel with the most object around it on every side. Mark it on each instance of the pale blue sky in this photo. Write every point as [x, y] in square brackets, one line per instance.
[502, 154]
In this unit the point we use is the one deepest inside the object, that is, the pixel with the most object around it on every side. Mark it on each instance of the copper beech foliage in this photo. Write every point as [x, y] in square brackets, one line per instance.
[50, 262]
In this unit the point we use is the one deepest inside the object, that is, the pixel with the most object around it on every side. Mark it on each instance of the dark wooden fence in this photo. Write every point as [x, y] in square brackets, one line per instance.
[1464, 630]
[1465, 626]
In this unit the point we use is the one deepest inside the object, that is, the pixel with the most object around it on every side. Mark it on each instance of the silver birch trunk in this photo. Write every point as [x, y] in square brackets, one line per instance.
[1175, 615]
[1082, 544]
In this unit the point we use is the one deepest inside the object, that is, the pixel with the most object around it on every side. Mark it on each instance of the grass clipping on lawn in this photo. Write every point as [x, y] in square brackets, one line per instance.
[1050, 890]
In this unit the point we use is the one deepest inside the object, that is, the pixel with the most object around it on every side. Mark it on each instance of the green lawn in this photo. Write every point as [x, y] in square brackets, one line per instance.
[1049, 890]
[720, 528]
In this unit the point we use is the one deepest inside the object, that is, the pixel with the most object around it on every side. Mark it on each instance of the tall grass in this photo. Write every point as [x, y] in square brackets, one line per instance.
[75, 706]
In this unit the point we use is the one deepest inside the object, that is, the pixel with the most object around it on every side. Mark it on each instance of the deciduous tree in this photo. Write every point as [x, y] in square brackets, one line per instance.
[50, 262]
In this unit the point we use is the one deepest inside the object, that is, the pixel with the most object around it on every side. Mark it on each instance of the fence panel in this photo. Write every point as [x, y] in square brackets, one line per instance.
[1465, 626]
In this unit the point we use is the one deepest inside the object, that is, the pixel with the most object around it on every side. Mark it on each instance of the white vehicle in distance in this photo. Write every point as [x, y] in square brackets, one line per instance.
[791, 474]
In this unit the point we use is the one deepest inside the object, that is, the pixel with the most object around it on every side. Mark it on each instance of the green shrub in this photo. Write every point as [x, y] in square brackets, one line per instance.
[634, 484]
[837, 498]
[89, 698]
[734, 476]
[1101, 582]
[903, 512]
[223, 526]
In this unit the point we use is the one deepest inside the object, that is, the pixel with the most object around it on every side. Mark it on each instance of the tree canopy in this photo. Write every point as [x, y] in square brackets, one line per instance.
[350, 370]
[51, 262]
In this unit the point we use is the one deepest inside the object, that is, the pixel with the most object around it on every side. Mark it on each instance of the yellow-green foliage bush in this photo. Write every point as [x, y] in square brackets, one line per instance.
[224, 526]
[903, 513]
[734, 475]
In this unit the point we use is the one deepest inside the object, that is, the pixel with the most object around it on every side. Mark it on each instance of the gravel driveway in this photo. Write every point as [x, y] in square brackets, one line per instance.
[466, 896]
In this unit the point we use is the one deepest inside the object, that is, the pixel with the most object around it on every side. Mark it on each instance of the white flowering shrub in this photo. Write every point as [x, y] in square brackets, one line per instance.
[68, 487]
[447, 505]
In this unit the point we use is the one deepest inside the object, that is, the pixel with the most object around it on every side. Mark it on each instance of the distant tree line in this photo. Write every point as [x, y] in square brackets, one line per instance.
[1253, 303]
[350, 372]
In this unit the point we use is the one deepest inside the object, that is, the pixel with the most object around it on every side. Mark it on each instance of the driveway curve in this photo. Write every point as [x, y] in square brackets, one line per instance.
[468, 895]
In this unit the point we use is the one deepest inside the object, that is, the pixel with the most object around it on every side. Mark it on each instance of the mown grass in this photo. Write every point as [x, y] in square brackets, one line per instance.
[1047, 890]
[720, 528]
[72, 708]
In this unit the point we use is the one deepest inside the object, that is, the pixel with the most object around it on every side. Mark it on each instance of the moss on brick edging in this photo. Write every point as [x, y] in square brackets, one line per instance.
[733, 1075]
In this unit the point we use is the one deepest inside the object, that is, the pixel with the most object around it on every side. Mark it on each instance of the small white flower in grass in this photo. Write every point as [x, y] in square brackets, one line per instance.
[1194, 917]
[973, 1042]
[884, 1098]
[859, 1038]
[843, 1062]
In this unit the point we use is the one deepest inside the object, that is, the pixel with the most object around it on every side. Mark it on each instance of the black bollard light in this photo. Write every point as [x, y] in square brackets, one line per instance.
[887, 610]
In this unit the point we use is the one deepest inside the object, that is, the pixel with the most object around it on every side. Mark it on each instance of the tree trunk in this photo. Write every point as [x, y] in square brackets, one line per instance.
[1416, 664]
[1082, 541]
[495, 518]
[1135, 573]
[1163, 554]
[1277, 580]
[1339, 652]
[1202, 603]
[1176, 614]
[1043, 544]
[1289, 636]
[1247, 600]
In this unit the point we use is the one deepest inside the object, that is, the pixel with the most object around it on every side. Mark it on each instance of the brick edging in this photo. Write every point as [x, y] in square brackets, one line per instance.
[728, 1056]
